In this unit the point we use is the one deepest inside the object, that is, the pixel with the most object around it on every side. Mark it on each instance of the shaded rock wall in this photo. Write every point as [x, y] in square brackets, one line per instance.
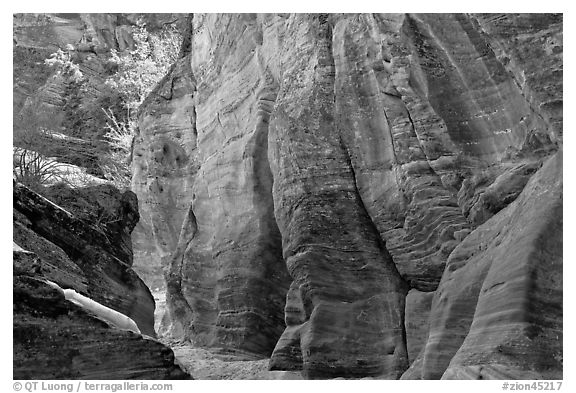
[55, 339]
[530, 47]
[418, 306]
[187, 170]
[85, 247]
[101, 253]
[321, 166]
[498, 310]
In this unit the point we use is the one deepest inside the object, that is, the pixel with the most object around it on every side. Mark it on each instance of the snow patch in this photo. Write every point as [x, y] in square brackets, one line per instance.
[113, 317]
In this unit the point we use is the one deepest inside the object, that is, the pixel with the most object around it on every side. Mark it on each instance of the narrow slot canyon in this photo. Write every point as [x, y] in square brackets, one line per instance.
[305, 196]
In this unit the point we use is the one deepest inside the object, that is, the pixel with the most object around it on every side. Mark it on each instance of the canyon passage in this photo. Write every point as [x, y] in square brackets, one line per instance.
[311, 196]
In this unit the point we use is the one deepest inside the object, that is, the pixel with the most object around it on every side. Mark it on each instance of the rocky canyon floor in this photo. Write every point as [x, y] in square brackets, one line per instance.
[205, 365]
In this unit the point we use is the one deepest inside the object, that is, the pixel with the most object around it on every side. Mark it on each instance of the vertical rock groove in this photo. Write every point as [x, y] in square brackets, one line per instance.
[328, 237]
[180, 311]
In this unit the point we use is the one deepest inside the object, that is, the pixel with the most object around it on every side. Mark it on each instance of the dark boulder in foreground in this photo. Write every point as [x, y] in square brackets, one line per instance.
[55, 338]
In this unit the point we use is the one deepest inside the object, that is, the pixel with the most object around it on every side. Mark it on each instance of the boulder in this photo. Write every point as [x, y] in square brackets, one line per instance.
[95, 256]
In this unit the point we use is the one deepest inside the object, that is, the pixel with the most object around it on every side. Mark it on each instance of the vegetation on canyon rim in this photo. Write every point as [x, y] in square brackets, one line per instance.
[106, 118]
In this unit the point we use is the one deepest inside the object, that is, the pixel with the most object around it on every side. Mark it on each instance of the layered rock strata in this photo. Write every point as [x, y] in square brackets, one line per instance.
[321, 166]
[164, 166]
[56, 339]
[497, 313]
[83, 248]
[91, 254]
[208, 199]
[328, 236]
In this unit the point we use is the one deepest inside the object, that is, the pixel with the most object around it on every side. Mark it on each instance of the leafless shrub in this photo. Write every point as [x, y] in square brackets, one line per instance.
[116, 164]
[34, 170]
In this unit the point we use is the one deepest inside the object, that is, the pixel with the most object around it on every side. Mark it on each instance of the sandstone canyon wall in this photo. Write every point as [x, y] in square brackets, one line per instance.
[361, 195]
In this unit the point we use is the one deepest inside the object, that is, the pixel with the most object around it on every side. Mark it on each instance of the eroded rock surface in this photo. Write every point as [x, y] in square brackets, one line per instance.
[301, 173]
[418, 306]
[84, 246]
[498, 310]
[164, 167]
[204, 364]
[209, 200]
[93, 252]
[55, 339]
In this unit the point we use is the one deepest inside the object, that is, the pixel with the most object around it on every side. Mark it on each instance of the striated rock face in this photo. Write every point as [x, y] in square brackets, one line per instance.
[164, 167]
[85, 247]
[418, 306]
[94, 251]
[55, 339]
[328, 236]
[530, 48]
[498, 310]
[208, 198]
[300, 174]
